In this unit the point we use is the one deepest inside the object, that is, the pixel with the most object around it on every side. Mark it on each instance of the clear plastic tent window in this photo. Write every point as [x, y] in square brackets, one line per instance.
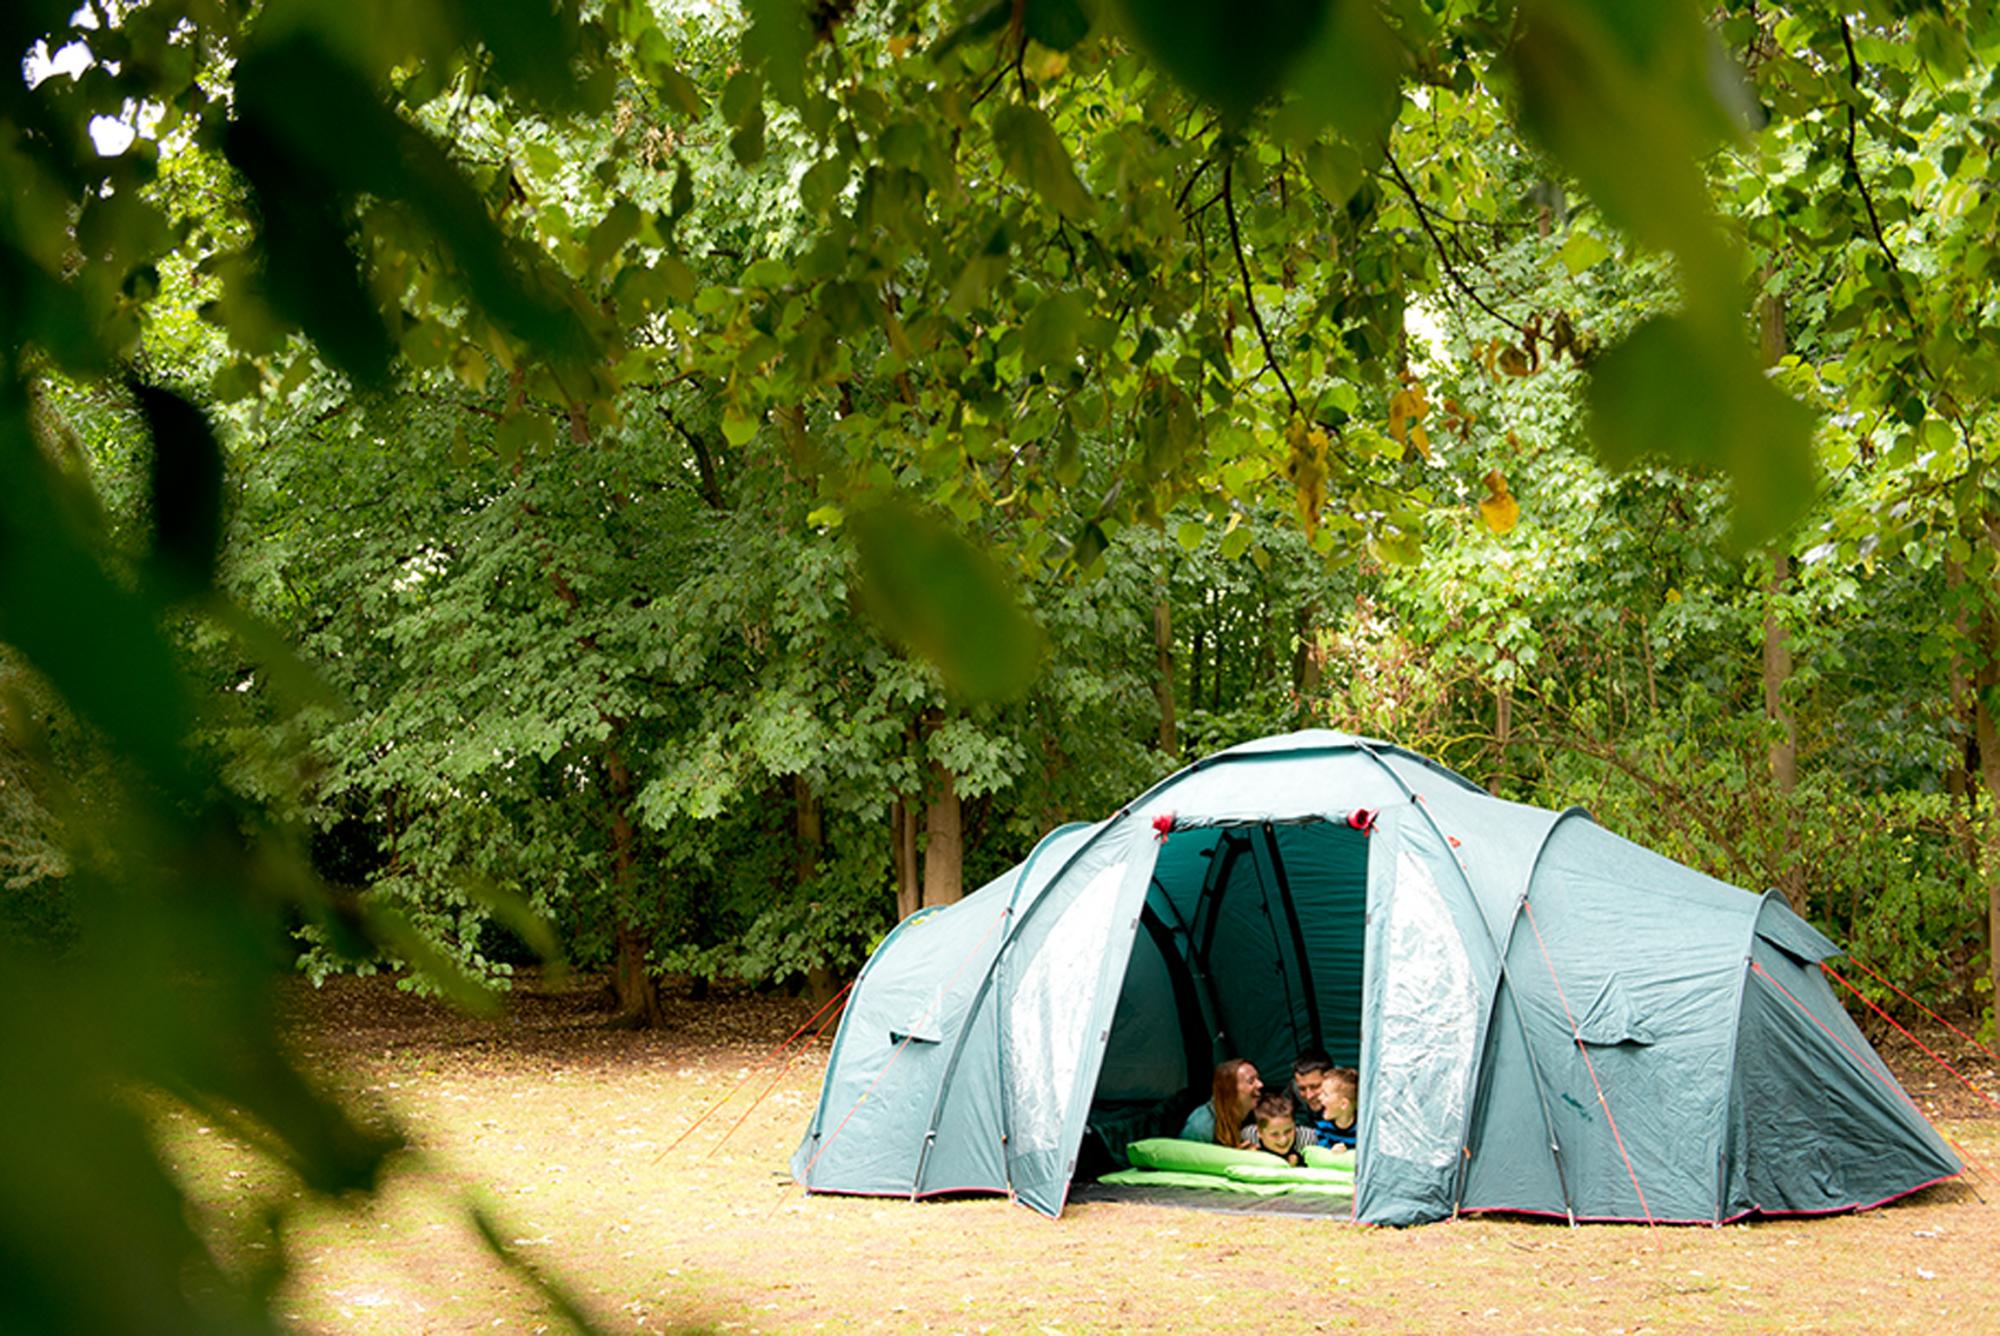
[1429, 1023]
[1046, 1029]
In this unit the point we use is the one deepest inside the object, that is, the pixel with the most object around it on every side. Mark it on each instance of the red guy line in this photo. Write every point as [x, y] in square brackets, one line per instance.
[782, 1073]
[1589, 1066]
[1962, 1079]
[1926, 1010]
[1871, 1068]
[768, 1058]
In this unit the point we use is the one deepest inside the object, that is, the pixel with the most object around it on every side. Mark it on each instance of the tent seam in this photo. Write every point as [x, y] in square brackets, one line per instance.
[1534, 1064]
[1735, 1053]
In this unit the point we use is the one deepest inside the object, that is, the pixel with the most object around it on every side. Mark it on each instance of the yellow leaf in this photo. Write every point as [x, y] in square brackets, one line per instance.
[1499, 508]
[1307, 469]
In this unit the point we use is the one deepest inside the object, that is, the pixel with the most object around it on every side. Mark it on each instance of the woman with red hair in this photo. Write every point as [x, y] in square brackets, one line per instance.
[1227, 1118]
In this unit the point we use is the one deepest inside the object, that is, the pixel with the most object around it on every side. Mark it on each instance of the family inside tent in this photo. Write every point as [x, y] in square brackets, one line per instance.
[1316, 1109]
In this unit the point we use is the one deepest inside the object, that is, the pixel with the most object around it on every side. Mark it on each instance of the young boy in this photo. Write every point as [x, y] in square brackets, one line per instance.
[1276, 1132]
[1338, 1092]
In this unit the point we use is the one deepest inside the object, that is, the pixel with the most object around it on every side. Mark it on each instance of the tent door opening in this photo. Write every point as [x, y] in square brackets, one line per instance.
[1250, 945]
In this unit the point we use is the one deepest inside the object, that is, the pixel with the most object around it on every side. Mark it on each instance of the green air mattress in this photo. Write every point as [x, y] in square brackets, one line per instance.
[1169, 1162]
[1196, 1157]
[1201, 1157]
[1320, 1157]
[1169, 1178]
[1285, 1173]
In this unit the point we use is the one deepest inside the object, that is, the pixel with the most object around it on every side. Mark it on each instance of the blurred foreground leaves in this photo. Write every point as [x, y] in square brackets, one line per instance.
[1000, 278]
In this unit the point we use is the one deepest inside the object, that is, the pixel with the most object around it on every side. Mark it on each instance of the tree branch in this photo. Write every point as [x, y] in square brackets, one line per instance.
[704, 461]
[1854, 172]
[1444, 256]
[1243, 268]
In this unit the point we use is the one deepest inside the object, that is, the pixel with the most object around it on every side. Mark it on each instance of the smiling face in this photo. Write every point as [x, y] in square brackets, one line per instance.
[1248, 1085]
[1336, 1098]
[1309, 1083]
[1276, 1134]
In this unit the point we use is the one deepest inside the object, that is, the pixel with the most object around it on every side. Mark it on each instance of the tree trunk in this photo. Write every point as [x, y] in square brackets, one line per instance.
[944, 852]
[1195, 658]
[903, 835]
[1215, 686]
[631, 978]
[808, 829]
[1961, 771]
[1784, 748]
[1305, 656]
[1163, 681]
[1986, 683]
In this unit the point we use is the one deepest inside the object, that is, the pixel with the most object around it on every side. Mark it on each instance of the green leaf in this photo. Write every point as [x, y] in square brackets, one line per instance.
[186, 484]
[1049, 336]
[1056, 24]
[934, 592]
[533, 48]
[1623, 95]
[1230, 55]
[742, 93]
[1191, 534]
[984, 23]
[737, 427]
[1351, 77]
[1335, 171]
[238, 380]
[523, 434]
[617, 227]
[677, 91]
[1676, 390]
[778, 40]
[1030, 149]
[1582, 250]
[822, 184]
[747, 144]
[1236, 542]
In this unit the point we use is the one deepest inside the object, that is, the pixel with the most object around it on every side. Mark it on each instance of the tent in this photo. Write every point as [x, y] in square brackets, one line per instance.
[1547, 1018]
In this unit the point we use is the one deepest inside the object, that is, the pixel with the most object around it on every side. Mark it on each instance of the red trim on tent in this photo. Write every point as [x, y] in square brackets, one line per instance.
[1590, 1066]
[984, 1191]
[1762, 1211]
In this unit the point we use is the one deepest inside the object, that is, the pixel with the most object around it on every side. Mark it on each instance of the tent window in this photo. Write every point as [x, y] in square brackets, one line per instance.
[1429, 1018]
[1046, 1030]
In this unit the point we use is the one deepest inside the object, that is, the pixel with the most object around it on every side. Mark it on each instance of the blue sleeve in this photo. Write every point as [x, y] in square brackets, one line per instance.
[1200, 1125]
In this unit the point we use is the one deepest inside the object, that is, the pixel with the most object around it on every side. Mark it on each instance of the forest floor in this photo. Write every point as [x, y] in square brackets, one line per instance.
[557, 1127]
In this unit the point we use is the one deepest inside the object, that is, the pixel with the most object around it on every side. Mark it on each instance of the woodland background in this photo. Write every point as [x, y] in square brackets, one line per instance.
[667, 490]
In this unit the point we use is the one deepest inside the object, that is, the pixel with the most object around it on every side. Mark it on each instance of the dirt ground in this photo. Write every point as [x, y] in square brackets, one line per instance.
[560, 1128]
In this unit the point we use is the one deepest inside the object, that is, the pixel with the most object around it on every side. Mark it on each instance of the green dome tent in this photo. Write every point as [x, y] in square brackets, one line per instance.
[1547, 1018]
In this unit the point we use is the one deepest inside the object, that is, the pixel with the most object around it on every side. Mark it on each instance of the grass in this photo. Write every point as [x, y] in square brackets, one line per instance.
[557, 1128]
